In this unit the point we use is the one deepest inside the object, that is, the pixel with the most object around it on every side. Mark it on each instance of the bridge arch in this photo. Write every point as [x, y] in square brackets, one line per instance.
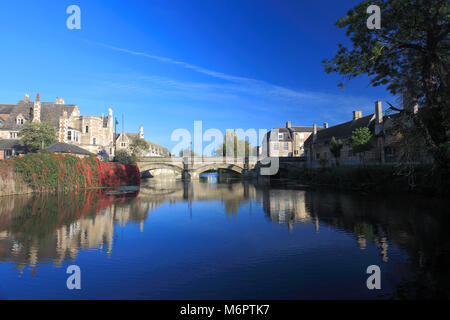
[160, 165]
[216, 166]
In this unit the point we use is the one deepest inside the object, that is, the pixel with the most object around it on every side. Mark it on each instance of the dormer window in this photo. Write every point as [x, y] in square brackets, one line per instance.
[20, 121]
[280, 136]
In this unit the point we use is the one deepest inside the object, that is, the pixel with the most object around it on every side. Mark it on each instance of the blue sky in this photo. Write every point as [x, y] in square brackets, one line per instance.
[163, 64]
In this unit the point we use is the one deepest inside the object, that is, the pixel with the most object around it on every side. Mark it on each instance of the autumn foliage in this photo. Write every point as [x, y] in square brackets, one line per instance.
[47, 171]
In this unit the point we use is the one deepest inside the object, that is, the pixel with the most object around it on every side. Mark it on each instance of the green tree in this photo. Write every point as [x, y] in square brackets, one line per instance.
[125, 157]
[410, 53]
[241, 148]
[335, 148]
[139, 147]
[360, 142]
[37, 136]
[188, 153]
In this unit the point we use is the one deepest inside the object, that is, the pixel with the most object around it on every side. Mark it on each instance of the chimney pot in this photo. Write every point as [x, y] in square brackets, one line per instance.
[325, 125]
[357, 114]
[288, 124]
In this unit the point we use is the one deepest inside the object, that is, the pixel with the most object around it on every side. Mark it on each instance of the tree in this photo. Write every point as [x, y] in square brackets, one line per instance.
[139, 147]
[335, 148]
[361, 141]
[409, 54]
[188, 153]
[37, 136]
[125, 157]
[241, 148]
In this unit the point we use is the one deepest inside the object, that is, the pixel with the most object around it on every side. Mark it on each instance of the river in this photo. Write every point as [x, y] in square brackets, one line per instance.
[210, 239]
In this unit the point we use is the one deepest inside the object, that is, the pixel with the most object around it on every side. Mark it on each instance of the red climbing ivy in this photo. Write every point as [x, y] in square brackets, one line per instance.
[47, 171]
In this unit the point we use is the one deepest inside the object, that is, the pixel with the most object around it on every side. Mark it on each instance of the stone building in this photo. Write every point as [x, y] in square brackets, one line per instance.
[286, 142]
[124, 140]
[92, 133]
[385, 144]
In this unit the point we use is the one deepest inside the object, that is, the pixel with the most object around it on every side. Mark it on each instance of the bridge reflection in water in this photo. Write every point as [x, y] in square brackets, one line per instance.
[41, 228]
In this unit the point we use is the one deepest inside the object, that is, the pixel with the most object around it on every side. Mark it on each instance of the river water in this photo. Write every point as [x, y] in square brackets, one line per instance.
[223, 240]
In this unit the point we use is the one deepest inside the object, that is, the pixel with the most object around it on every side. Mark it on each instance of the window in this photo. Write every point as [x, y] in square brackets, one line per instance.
[350, 153]
[20, 121]
[69, 135]
[110, 150]
[123, 144]
[13, 135]
[302, 136]
[280, 136]
[94, 141]
[87, 129]
[76, 135]
[286, 146]
[8, 153]
[276, 146]
[318, 156]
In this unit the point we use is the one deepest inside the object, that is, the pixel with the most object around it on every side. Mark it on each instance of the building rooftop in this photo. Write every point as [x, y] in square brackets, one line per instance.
[61, 147]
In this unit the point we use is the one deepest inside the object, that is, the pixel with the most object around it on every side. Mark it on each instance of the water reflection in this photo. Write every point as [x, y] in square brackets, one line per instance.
[38, 229]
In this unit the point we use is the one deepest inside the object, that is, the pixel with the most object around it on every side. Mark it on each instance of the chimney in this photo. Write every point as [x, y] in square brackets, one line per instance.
[357, 114]
[59, 101]
[141, 132]
[325, 125]
[378, 117]
[314, 132]
[378, 112]
[26, 99]
[288, 124]
[37, 110]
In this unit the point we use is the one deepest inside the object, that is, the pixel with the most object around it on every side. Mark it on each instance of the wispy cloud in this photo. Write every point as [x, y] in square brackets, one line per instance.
[255, 94]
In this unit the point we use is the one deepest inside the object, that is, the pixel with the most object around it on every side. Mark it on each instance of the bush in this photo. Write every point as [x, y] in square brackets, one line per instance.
[49, 172]
[374, 178]
[124, 157]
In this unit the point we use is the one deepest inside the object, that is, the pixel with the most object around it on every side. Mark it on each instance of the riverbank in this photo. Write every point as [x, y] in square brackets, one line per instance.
[381, 179]
[47, 172]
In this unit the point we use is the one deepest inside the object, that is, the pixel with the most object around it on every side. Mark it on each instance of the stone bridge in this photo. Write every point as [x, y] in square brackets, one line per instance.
[192, 167]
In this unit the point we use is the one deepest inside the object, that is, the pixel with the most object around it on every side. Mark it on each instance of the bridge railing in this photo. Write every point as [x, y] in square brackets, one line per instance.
[205, 160]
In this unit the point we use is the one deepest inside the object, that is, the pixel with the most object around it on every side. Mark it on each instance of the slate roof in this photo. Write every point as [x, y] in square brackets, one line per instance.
[13, 111]
[10, 144]
[302, 129]
[50, 113]
[343, 130]
[132, 136]
[68, 148]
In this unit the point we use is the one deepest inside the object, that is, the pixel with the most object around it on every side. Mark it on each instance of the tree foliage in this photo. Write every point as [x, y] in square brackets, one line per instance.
[361, 141]
[125, 157]
[139, 147]
[410, 53]
[336, 146]
[37, 136]
[233, 147]
[188, 153]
